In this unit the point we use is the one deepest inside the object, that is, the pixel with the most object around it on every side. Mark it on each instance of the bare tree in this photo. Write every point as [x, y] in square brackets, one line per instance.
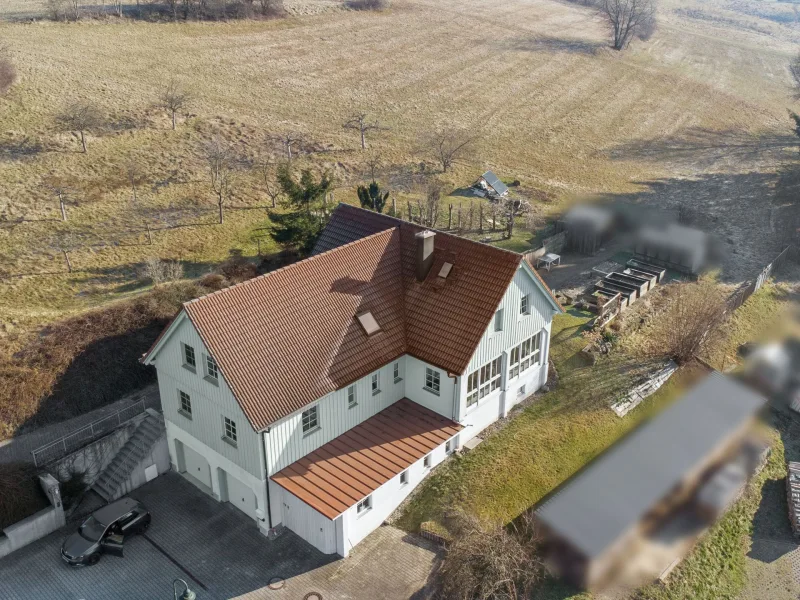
[221, 164]
[174, 99]
[134, 173]
[80, 117]
[628, 19]
[272, 8]
[61, 192]
[429, 211]
[160, 271]
[57, 10]
[511, 208]
[65, 243]
[268, 173]
[360, 122]
[373, 163]
[288, 140]
[694, 313]
[449, 144]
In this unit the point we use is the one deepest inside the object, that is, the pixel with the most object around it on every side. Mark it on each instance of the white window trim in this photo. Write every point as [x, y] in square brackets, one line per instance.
[527, 311]
[399, 376]
[181, 411]
[402, 474]
[186, 365]
[498, 378]
[314, 429]
[434, 375]
[427, 461]
[208, 377]
[533, 354]
[360, 512]
[375, 378]
[354, 403]
[232, 441]
[495, 330]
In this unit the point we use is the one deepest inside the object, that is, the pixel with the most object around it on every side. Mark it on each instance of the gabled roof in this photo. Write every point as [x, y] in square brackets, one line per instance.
[286, 338]
[494, 182]
[614, 492]
[349, 468]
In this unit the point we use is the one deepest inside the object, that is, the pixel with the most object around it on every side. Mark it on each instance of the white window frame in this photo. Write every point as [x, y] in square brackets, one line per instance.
[433, 381]
[398, 376]
[229, 433]
[524, 356]
[404, 477]
[309, 420]
[352, 397]
[448, 447]
[212, 369]
[484, 381]
[498, 321]
[525, 305]
[364, 506]
[186, 412]
[375, 383]
[426, 462]
[185, 350]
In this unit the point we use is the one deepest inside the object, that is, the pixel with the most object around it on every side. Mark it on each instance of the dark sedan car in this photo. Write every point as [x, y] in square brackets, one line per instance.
[105, 531]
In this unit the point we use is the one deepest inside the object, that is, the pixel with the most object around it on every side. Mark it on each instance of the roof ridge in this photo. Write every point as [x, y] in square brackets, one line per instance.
[287, 267]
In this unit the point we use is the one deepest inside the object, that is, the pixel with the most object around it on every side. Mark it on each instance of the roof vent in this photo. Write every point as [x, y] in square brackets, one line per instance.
[445, 270]
[369, 323]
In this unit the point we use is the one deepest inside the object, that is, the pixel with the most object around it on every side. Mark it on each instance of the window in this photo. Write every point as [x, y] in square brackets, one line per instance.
[525, 305]
[448, 446]
[186, 404]
[432, 380]
[212, 372]
[484, 381]
[230, 430]
[498, 320]
[369, 323]
[404, 478]
[364, 505]
[525, 356]
[351, 397]
[397, 376]
[426, 462]
[521, 391]
[311, 419]
[188, 357]
[376, 383]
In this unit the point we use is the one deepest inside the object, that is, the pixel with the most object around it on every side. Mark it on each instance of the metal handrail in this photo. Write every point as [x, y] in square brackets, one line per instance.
[86, 434]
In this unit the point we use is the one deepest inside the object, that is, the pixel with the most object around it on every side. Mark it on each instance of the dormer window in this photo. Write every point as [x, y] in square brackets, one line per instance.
[369, 323]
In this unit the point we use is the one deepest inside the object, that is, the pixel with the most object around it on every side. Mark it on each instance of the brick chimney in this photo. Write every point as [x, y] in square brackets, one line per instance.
[424, 241]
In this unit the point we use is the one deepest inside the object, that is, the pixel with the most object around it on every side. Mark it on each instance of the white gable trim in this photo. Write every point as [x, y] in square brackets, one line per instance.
[148, 358]
[529, 271]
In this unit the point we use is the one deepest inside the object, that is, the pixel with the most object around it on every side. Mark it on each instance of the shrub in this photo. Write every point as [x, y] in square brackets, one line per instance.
[237, 269]
[21, 494]
[214, 282]
[8, 75]
[484, 562]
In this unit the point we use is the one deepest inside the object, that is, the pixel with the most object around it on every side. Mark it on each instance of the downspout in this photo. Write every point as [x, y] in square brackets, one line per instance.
[455, 393]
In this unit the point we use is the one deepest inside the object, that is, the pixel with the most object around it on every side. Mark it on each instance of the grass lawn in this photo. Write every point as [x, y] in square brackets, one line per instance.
[547, 442]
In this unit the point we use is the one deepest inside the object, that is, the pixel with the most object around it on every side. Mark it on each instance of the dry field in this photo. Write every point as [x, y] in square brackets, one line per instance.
[697, 114]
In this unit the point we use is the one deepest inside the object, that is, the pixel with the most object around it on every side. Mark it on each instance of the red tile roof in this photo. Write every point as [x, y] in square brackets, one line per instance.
[289, 337]
[349, 468]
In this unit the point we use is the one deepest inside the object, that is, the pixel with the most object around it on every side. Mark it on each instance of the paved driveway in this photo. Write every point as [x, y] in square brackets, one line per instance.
[220, 552]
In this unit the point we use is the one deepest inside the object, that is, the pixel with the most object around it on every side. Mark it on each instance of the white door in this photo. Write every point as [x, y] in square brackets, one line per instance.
[197, 466]
[241, 496]
[310, 525]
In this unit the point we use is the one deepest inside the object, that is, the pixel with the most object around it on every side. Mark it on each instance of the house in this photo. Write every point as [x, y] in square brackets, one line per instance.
[588, 227]
[673, 246]
[490, 185]
[596, 521]
[319, 395]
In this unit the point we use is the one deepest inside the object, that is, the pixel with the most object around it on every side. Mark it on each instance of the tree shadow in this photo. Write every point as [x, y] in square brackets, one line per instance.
[705, 148]
[553, 45]
[771, 535]
[21, 149]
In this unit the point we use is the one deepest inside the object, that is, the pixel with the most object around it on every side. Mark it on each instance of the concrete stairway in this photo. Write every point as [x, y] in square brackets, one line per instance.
[129, 456]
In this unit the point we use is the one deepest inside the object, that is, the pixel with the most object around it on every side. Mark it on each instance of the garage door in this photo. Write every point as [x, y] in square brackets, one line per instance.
[197, 466]
[241, 496]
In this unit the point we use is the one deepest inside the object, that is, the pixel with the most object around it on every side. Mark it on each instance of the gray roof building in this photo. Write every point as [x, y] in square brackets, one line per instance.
[493, 181]
[610, 497]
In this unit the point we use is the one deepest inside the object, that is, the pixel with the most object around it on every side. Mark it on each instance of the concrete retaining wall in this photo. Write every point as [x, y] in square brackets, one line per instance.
[38, 525]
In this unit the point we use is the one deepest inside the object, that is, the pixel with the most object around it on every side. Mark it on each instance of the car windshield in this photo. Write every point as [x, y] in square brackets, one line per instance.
[92, 529]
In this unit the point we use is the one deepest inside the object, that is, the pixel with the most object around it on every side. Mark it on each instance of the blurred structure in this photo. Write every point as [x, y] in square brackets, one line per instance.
[588, 227]
[673, 246]
[634, 512]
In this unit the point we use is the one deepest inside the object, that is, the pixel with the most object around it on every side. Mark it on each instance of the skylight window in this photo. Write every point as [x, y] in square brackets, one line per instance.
[445, 270]
[369, 323]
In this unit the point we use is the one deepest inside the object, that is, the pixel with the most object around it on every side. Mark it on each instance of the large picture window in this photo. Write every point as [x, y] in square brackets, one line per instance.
[482, 382]
[524, 356]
